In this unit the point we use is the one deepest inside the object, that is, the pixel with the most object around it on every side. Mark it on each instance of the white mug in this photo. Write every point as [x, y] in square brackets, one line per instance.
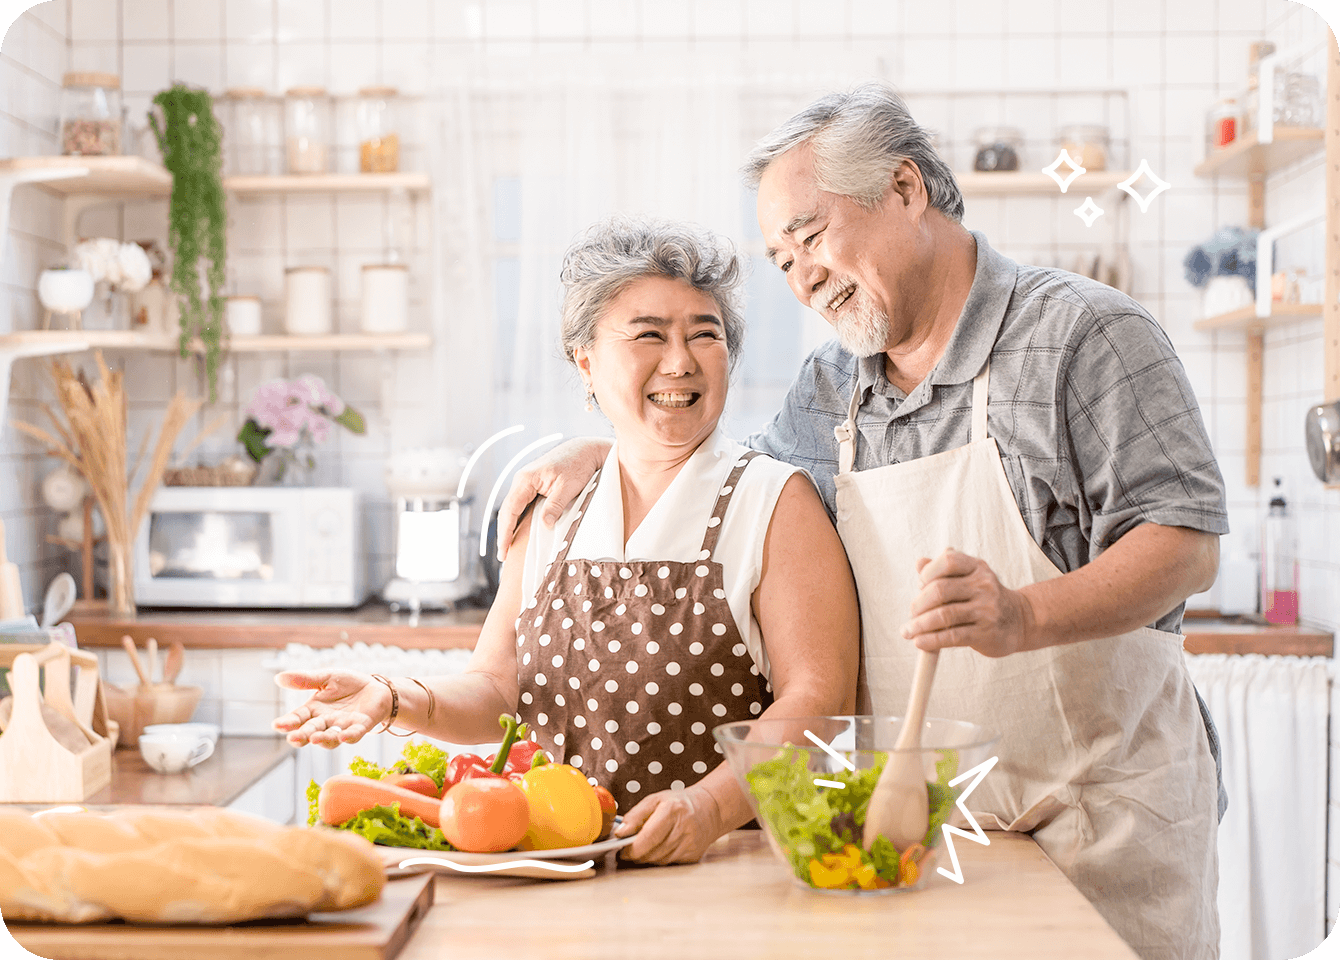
[188, 730]
[172, 752]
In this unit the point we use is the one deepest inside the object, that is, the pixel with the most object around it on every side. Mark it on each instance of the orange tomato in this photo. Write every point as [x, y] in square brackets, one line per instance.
[484, 815]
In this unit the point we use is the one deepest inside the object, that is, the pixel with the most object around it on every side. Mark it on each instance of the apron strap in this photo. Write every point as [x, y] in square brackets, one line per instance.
[577, 522]
[979, 384]
[713, 531]
[846, 434]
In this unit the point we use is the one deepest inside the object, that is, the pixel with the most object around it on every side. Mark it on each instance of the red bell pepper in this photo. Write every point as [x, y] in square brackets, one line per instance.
[519, 759]
[468, 766]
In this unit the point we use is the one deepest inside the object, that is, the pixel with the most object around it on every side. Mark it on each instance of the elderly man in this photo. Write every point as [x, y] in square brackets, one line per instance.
[1022, 480]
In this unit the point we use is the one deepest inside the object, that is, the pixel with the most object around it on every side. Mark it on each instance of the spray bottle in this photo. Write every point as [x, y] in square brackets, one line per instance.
[1279, 562]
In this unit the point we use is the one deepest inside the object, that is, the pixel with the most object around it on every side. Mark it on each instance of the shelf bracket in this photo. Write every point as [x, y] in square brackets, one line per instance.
[8, 356]
[8, 181]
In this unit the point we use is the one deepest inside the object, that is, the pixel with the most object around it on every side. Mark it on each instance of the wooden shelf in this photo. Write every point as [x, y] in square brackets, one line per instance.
[90, 339]
[1248, 158]
[334, 342]
[330, 183]
[1022, 183]
[131, 340]
[1281, 314]
[1251, 634]
[108, 176]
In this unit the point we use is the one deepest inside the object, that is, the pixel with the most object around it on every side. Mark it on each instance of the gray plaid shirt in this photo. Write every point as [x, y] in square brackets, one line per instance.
[1098, 428]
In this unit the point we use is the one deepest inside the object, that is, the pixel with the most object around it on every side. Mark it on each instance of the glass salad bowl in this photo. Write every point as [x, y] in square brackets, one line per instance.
[810, 799]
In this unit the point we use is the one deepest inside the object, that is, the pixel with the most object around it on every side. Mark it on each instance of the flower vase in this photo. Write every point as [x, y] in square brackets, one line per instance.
[288, 467]
[120, 579]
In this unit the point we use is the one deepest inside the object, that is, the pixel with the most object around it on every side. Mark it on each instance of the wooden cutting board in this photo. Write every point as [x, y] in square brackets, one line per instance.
[376, 932]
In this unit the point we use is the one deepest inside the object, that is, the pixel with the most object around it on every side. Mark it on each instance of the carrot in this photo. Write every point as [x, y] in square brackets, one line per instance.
[345, 795]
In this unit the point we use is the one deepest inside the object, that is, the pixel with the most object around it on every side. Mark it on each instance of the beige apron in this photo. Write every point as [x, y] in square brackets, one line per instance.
[1103, 753]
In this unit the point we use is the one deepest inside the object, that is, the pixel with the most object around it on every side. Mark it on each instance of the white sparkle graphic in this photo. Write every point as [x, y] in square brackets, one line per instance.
[977, 836]
[1076, 170]
[1144, 171]
[835, 784]
[1088, 211]
[494, 867]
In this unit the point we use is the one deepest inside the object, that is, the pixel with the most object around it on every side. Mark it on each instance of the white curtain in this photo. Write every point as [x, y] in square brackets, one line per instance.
[1273, 717]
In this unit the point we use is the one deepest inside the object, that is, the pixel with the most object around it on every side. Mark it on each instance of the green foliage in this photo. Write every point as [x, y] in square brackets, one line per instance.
[191, 142]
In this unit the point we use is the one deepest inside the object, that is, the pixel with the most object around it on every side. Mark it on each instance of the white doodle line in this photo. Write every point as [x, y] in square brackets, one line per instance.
[494, 867]
[977, 836]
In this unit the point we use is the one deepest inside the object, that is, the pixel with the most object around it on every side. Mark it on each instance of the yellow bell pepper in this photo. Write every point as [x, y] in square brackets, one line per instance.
[828, 877]
[564, 808]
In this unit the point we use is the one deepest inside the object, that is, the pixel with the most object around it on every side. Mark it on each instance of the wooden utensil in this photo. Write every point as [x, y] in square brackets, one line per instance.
[172, 663]
[135, 661]
[151, 645]
[899, 807]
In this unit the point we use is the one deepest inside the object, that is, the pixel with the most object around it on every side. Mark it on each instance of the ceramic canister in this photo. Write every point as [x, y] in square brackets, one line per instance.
[244, 316]
[308, 296]
[385, 298]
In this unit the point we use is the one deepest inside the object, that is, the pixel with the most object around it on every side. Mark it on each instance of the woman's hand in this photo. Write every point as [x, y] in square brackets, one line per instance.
[673, 826]
[558, 476]
[343, 709]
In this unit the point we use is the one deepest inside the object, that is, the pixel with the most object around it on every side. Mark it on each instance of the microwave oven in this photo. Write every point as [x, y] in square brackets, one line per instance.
[251, 547]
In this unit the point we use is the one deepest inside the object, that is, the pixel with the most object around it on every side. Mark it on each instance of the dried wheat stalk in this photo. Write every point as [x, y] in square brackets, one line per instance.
[93, 441]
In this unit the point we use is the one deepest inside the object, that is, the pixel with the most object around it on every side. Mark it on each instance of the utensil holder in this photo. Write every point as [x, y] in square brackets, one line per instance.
[34, 766]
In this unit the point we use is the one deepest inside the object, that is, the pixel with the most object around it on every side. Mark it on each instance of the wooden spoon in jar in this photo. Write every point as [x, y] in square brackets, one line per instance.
[135, 661]
[899, 807]
[172, 662]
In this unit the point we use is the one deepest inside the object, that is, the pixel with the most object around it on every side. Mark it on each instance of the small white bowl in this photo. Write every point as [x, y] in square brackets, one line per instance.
[174, 752]
[192, 729]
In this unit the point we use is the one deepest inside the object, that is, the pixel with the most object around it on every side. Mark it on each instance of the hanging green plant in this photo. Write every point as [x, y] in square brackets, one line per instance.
[191, 142]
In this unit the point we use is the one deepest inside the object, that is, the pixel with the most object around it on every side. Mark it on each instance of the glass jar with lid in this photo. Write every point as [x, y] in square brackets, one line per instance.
[379, 123]
[1087, 144]
[997, 149]
[253, 123]
[90, 114]
[307, 129]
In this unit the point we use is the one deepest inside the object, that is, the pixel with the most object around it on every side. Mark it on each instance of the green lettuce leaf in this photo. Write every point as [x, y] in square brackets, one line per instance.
[426, 759]
[385, 825]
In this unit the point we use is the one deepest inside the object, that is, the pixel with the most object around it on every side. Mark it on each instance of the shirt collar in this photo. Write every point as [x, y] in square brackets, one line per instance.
[975, 332]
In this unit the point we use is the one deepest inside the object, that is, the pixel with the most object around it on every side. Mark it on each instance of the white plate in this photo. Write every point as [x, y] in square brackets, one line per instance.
[392, 856]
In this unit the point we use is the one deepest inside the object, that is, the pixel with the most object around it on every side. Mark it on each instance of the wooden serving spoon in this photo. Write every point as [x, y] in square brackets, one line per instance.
[899, 807]
[135, 662]
[173, 661]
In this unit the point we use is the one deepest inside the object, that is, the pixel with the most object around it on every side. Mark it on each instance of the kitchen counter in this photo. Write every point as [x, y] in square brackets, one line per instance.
[236, 764]
[225, 629]
[738, 902]
[1212, 633]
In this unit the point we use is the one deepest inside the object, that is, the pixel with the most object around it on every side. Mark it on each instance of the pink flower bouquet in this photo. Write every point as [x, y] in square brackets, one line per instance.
[286, 414]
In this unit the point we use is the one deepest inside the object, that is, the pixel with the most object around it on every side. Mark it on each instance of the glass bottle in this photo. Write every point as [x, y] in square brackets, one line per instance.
[998, 149]
[90, 114]
[1087, 144]
[1221, 129]
[378, 130]
[307, 129]
[1279, 562]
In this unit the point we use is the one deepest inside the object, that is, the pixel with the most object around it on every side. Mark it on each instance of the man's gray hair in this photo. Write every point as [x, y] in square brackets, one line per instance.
[615, 252]
[859, 139]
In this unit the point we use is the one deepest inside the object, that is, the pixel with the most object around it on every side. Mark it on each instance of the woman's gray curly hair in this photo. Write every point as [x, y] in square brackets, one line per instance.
[615, 252]
[859, 139]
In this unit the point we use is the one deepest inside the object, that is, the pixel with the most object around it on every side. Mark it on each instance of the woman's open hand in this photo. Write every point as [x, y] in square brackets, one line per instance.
[673, 826]
[343, 708]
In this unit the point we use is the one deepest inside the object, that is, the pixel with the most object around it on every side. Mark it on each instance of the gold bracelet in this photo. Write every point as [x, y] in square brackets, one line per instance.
[432, 701]
[395, 708]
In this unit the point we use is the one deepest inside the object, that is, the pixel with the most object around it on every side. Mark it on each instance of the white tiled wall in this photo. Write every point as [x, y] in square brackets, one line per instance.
[33, 58]
[1167, 62]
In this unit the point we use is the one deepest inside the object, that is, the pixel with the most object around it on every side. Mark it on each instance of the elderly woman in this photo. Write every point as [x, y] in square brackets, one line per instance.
[693, 583]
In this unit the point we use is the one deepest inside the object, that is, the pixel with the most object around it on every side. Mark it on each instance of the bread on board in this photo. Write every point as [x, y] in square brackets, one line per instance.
[167, 866]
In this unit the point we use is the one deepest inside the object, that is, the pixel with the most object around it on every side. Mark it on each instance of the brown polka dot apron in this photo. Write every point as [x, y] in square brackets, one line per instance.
[625, 667]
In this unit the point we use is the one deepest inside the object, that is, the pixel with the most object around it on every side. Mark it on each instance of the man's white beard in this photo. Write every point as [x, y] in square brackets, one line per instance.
[864, 330]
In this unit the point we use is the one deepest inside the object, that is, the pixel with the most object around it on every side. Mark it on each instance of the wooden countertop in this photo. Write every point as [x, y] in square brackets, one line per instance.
[221, 629]
[236, 764]
[1251, 634]
[1205, 631]
[739, 902]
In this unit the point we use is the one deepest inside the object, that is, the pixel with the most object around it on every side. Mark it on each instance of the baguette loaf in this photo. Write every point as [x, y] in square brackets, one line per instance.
[165, 866]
